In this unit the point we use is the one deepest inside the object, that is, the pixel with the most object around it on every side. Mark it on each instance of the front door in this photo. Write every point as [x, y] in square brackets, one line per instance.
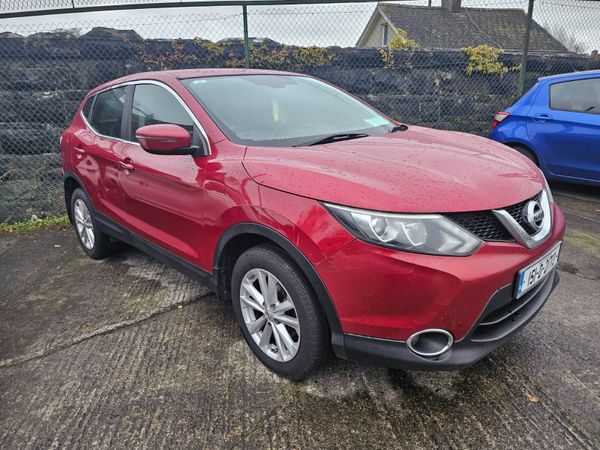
[163, 193]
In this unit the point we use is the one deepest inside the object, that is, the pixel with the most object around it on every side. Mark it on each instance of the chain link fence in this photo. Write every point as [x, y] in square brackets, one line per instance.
[442, 64]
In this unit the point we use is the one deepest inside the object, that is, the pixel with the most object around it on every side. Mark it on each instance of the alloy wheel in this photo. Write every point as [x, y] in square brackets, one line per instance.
[270, 315]
[84, 224]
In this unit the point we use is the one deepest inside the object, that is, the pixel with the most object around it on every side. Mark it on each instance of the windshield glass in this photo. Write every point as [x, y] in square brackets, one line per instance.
[282, 110]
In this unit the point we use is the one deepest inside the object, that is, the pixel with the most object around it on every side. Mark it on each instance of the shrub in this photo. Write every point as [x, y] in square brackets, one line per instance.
[483, 58]
[402, 42]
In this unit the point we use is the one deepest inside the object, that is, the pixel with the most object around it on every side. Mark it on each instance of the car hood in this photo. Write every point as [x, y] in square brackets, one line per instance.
[417, 170]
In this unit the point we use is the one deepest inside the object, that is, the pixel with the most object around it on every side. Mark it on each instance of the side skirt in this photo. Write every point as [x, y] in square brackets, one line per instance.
[117, 231]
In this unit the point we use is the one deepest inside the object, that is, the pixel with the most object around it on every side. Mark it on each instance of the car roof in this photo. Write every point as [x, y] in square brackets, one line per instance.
[571, 75]
[165, 75]
[195, 73]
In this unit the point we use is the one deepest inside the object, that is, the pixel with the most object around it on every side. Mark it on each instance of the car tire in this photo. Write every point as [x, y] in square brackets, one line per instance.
[526, 152]
[291, 352]
[94, 242]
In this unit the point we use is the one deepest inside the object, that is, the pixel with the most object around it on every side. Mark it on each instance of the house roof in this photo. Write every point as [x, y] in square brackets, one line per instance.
[437, 27]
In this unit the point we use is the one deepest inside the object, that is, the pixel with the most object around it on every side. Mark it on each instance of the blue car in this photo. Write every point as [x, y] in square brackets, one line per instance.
[557, 125]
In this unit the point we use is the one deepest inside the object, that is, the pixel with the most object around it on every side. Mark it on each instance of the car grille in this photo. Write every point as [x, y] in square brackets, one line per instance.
[516, 211]
[487, 227]
[482, 224]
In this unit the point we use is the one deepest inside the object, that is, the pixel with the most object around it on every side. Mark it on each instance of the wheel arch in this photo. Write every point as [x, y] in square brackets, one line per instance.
[71, 182]
[515, 144]
[242, 236]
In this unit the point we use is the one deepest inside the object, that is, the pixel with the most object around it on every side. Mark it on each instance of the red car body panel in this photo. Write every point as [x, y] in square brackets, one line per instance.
[409, 292]
[96, 161]
[419, 170]
[185, 205]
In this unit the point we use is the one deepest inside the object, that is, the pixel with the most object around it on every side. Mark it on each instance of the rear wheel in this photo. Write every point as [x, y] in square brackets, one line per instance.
[280, 317]
[526, 152]
[94, 242]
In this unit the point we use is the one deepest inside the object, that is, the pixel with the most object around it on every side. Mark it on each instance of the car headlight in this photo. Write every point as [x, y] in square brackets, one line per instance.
[420, 233]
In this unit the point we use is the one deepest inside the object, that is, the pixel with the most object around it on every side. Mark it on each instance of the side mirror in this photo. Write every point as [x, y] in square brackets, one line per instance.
[165, 139]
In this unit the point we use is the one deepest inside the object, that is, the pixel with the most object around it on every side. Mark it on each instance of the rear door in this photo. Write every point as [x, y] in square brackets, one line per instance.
[565, 128]
[83, 137]
[97, 154]
[163, 193]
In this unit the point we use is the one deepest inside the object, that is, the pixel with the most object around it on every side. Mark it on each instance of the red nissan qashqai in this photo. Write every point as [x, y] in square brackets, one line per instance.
[329, 226]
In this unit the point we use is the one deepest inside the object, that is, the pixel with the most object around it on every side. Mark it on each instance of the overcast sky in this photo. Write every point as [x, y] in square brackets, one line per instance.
[333, 24]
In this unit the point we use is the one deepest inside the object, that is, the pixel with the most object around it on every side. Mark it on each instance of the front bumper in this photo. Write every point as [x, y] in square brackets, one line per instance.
[387, 294]
[503, 317]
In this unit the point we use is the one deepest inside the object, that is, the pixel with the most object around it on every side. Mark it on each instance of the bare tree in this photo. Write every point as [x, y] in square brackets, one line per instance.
[566, 38]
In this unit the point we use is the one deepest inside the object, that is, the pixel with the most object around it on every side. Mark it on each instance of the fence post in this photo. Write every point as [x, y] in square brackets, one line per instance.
[246, 40]
[521, 86]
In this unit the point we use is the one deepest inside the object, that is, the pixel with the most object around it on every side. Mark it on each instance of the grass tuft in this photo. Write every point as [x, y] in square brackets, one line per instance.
[35, 223]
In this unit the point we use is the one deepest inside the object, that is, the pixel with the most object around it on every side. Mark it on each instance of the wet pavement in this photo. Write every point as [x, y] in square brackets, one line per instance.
[127, 353]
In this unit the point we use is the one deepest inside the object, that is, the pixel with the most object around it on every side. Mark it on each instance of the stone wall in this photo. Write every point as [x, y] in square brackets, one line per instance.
[44, 76]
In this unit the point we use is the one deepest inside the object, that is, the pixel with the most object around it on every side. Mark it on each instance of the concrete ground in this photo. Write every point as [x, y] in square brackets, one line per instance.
[127, 353]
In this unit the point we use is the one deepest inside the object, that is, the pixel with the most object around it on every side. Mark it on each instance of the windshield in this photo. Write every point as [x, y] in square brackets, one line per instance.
[282, 110]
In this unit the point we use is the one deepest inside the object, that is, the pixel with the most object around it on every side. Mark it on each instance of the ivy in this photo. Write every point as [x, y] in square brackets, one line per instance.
[401, 41]
[313, 56]
[174, 58]
[285, 57]
[483, 58]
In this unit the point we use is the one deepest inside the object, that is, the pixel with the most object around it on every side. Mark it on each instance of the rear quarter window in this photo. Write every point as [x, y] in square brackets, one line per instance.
[576, 96]
[87, 108]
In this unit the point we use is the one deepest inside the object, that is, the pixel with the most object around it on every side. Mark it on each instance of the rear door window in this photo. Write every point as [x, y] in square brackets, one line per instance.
[108, 112]
[153, 104]
[578, 96]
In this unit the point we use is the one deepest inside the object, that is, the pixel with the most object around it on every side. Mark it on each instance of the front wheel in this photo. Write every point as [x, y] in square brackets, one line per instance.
[277, 310]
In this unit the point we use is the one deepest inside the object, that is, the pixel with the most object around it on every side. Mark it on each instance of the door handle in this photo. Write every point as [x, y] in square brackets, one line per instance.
[542, 117]
[79, 152]
[128, 167]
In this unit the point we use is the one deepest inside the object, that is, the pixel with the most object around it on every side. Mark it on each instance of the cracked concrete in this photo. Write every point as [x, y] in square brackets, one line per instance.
[128, 353]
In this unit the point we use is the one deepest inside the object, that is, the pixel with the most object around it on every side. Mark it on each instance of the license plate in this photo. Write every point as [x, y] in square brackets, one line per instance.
[533, 274]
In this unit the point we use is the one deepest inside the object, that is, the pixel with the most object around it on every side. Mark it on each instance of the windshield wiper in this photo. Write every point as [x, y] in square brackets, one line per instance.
[334, 138]
[398, 128]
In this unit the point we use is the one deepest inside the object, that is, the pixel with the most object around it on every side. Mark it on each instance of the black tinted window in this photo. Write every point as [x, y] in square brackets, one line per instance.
[155, 105]
[87, 108]
[108, 111]
[578, 95]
